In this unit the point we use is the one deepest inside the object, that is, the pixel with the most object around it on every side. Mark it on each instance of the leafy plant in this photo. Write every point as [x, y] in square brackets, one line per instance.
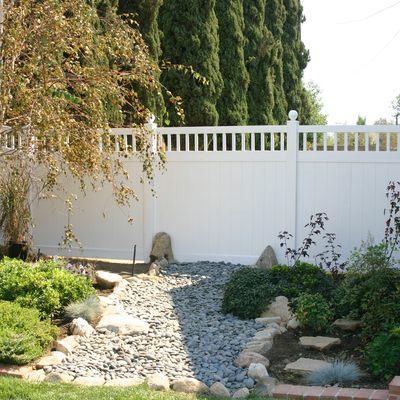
[15, 215]
[331, 256]
[369, 257]
[251, 290]
[23, 335]
[313, 312]
[392, 229]
[383, 354]
[340, 373]
[373, 297]
[88, 309]
[248, 293]
[43, 285]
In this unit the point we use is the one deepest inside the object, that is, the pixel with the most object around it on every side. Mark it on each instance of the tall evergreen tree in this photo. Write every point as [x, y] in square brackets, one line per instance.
[232, 105]
[190, 37]
[295, 56]
[146, 15]
[260, 41]
[275, 17]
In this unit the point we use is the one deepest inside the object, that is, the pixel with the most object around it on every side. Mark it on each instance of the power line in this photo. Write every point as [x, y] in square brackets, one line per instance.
[371, 15]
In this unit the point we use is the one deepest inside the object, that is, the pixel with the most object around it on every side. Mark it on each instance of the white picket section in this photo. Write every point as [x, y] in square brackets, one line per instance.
[227, 192]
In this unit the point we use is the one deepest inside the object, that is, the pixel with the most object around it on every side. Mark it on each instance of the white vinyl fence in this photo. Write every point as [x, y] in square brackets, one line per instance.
[227, 192]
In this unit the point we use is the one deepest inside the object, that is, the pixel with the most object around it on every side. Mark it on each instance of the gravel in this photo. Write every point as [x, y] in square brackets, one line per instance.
[188, 337]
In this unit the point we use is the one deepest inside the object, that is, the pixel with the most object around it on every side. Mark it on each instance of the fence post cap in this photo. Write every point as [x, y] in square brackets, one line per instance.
[293, 114]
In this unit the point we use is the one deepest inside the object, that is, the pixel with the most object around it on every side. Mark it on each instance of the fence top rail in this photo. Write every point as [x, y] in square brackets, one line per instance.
[223, 129]
[349, 128]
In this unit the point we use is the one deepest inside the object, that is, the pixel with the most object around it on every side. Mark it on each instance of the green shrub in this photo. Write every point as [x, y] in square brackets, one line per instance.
[383, 354]
[369, 257]
[43, 285]
[313, 312]
[250, 290]
[248, 293]
[23, 336]
[88, 309]
[373, 297]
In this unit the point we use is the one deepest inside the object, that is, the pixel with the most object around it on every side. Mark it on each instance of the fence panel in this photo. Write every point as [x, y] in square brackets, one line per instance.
[227, 192]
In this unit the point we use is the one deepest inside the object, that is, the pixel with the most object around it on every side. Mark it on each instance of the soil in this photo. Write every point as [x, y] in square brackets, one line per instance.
[287, 349]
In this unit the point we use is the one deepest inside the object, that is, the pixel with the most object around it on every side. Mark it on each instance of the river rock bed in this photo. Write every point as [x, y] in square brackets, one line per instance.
[188, 336]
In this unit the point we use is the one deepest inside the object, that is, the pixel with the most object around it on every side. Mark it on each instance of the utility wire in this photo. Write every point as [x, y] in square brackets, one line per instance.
[371, 15]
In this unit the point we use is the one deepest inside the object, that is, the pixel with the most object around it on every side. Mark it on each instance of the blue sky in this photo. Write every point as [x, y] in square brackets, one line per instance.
[355, 57]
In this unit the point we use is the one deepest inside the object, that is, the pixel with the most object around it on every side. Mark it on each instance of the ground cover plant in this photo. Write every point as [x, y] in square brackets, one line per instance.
[23, 334]
[43, 285]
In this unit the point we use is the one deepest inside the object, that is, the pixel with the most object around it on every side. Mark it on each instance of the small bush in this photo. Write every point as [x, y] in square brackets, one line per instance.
[339, 373]
[44, 285]
[88, 309]
[23, 336]
[248, 293]
[373, 297]
[383, 354]
[313, 312]
[250, 290]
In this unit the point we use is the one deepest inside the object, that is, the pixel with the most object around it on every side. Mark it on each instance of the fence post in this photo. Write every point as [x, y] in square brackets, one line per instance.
[292, 150]
[149, 195]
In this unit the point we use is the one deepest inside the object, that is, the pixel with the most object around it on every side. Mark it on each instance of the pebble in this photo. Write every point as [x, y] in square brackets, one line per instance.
[188, 336]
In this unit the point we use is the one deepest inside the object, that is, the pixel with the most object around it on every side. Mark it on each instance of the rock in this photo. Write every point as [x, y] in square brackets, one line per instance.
[66, 345]
[265, 388]
[189, 385]
[89, 381]
[80, 327]
[15, 371]
[55, 358]
[162, 248]
[241, 393]
[257, 372]
[249, 383]
[247, 357]
[267, 259]
[306, 365]
[35, 376]
[259, 346]
[154, 269]
[293, 324]
[107, 280]
[58, 377]
[162, 262]
[158, 382]
[279, 308]
[320, 343]
[123, 324]
[347, 324]
[124, 382]
[268, 320]
[219, 390]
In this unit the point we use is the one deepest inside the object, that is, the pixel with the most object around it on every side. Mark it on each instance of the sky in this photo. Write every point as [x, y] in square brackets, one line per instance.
[355, 57]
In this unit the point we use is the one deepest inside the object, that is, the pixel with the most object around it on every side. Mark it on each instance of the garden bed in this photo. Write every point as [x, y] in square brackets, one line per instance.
[286, 349]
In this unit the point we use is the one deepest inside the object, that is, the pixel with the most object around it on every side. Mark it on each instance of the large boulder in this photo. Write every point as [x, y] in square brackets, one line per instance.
[158, 382]
[257, 372]
[241, 394]
[123, 324]
[107, 280]
[267, 259]
[306, 365]
[162, 248]
[279, 308]
[347, 324]
[66, 345]
[189, 385]
[89, 381]
[124, 382]
[219, 390]
[247, 357]
[80, 327]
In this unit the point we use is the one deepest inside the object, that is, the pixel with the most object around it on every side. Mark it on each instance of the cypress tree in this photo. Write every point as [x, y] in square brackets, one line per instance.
[260, 94]
[232, 105]
[146, 15]
[190, 37]
[295, 56]
[275, 16]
